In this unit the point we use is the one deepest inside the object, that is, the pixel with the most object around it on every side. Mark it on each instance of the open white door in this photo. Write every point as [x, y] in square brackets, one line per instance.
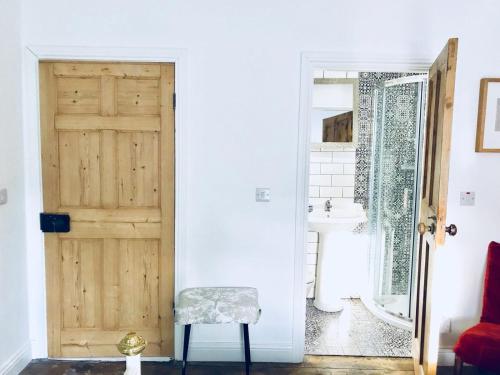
[432, 227]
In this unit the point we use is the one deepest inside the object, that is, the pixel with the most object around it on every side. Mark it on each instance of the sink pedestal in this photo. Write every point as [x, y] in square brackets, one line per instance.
[329, 271]
[336, 239]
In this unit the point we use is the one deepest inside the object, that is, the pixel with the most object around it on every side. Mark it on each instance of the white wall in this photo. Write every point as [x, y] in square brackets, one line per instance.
[243, 101]
[14, 344]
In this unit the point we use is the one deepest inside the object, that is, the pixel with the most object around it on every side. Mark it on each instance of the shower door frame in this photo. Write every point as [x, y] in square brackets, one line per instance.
[340, 61]
[419, 136]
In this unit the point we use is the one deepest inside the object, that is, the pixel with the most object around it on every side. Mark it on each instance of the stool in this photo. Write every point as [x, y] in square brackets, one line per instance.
[217, 306]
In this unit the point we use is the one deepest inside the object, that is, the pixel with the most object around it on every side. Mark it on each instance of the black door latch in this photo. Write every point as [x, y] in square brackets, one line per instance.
[54, 223]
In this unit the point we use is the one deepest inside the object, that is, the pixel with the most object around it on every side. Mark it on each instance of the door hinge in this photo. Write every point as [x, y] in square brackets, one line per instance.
[173, 307]
[174, 100]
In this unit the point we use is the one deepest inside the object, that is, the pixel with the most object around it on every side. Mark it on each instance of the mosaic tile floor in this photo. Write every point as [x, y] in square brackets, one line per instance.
[353, 331]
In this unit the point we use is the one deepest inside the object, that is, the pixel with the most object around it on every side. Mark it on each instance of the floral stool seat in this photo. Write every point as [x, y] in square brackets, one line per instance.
[217, 306]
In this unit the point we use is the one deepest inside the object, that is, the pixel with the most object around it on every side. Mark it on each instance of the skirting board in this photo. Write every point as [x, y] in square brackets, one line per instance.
[230, 351]
[17, 361]
[233, 352]
[446, 357]
[220, 351]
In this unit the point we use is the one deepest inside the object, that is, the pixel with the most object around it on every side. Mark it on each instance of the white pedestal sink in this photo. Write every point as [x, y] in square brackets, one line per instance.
[335, 238]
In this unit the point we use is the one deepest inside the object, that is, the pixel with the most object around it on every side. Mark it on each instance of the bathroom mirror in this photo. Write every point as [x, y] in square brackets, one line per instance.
[334, 115]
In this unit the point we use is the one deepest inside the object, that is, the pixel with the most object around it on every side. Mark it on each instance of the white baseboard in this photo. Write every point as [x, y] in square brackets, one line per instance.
[233, 352]
[17, 361]
[446, 357]
[205, 351]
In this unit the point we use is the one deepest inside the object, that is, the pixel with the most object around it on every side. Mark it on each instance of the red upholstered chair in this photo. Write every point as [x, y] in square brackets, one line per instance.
[480, 345]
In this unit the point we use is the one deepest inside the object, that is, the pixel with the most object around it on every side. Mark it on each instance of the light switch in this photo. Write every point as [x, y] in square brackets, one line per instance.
[263, 194]
[467, 198]
[3, 196]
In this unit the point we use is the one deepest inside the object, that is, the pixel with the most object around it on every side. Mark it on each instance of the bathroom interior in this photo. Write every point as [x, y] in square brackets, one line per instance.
[366, 131]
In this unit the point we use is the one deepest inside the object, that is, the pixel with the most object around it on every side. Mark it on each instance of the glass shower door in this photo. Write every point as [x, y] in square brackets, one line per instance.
[394, 190]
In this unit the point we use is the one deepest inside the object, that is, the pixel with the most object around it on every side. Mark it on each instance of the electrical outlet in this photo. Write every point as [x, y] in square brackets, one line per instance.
[467, 198]
[263, 195]
[3, 196]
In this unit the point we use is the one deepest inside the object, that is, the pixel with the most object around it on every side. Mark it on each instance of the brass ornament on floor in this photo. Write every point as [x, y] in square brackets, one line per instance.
[132, 344]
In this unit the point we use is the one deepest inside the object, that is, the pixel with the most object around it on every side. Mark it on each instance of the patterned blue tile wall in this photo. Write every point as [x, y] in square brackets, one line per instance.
[389, 197]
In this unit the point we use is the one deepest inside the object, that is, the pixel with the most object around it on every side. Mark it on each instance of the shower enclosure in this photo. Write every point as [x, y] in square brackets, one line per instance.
[394, 190]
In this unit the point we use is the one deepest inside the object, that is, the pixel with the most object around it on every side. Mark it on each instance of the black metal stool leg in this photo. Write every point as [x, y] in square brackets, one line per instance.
[187, 331]
[248, 360]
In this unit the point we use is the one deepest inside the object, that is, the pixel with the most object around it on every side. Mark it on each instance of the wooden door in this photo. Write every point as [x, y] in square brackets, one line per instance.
[108, 160]
[432, 227]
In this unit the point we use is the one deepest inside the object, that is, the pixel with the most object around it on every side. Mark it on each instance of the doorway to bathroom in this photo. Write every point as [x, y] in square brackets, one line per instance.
[365, 153]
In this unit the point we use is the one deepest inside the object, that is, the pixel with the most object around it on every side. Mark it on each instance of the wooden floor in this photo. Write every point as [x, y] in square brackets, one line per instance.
[312, 365]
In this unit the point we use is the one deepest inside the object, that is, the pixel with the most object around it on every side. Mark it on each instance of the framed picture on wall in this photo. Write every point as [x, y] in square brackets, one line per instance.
[488, 117]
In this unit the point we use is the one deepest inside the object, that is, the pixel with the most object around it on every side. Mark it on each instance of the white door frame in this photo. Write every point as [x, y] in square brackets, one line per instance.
[332, 61]
[32, 55]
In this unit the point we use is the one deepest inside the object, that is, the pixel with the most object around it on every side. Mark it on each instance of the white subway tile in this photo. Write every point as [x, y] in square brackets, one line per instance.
[330, 168]
[342, 200]
[330, 192]
[312, 248]
[311, 270]
[311, 259]
[313, 191]
[334, 74]
[348, 192]
[349, 168]
[349, 148]
[344, 157]
[314, 168]
[320, 180]
[342, 180]
[331, 147]
[312, 237]
[318, 73]
[317, 202]
[321, 157]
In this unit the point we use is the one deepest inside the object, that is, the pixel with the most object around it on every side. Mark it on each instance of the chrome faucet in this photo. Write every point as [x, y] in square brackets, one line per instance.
[328, 205]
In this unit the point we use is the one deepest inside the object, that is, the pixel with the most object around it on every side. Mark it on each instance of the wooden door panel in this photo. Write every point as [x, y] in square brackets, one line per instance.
[433, 205]
[104, 165]
[96, 345]
[127, 215]
[138, 273]
[84, 229]
[80, 168]
[115, 69]
[109, 181]
[138, 166]
[138, 97]
[77, 95]
[82, 283]
[96, 122]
